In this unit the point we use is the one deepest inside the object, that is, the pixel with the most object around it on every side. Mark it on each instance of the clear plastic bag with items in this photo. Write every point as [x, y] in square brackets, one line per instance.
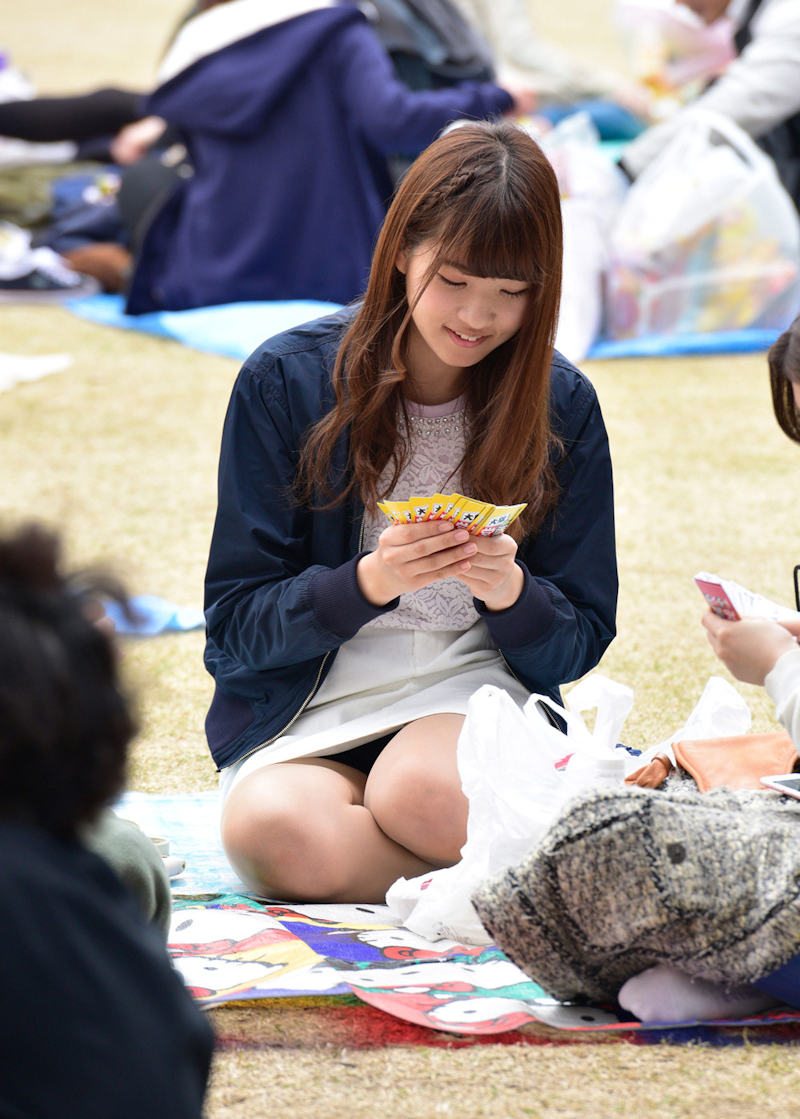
[706, 240]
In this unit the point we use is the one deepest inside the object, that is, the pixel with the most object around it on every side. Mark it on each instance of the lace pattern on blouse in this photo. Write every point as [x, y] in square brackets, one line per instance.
[437, 447]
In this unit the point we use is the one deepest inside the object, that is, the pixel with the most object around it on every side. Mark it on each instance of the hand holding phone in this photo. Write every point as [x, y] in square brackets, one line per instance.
[732, 601]
[749, 648]
[716, 596]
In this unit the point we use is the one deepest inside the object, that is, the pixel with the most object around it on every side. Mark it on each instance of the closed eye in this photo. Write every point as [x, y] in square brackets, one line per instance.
[522, 291]
[452, 283]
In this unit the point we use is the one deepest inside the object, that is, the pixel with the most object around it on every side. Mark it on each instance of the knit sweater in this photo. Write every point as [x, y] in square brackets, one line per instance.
[630, 878]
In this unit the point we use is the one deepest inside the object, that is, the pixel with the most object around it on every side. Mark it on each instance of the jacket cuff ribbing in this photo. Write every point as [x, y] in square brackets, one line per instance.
[338, 603]
[526, 620]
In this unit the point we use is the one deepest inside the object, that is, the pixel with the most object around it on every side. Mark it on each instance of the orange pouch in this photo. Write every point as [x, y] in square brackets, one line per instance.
[738, 762]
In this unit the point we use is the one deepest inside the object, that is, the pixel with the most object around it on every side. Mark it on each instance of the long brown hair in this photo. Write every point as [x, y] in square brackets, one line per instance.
[486, 196]
[784, 371]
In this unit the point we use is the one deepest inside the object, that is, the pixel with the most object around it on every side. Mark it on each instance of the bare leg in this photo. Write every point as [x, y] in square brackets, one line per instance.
[300, 831]
[414, 790]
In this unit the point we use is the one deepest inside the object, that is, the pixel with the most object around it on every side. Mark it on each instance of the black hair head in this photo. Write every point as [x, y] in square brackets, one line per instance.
[65, 723]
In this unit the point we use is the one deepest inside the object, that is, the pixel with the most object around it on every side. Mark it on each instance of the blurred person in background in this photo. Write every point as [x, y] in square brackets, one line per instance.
[563, 84]
[759, 90]
[271, 187]
[288, 130]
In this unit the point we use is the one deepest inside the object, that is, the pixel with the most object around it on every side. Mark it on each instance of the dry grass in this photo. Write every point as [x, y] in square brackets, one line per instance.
[120, 451]
[499, 1082]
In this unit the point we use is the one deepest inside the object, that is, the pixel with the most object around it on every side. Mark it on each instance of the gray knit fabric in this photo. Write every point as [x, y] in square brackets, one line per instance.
[629, 878]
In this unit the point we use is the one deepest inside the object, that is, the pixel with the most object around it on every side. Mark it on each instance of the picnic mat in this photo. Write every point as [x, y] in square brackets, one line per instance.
[231, 329]
[231, 947]
[149, 614]
[235, 329]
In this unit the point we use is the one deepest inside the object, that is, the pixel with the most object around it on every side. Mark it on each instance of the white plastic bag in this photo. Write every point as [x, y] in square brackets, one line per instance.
[518, 771]
[507, 759]
[720, 712]
[592, 189]
[707, 238]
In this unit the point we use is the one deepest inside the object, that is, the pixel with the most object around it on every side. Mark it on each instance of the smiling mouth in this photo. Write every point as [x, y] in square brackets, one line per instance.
[469, 339]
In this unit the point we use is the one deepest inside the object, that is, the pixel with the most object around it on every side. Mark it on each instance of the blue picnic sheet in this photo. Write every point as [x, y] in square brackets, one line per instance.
[236, 329]
[150, 615]
[231, 329]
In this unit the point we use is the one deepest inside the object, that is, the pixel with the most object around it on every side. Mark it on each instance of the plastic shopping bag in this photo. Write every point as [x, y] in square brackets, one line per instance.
[592, 189]
[719, 713]
[517, 769]
[707, 238]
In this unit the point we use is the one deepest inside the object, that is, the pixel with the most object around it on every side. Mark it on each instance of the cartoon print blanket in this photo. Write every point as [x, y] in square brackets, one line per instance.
[231, 946]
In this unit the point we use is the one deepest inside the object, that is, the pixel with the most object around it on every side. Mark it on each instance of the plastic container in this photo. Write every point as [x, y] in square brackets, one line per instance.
[609, 770]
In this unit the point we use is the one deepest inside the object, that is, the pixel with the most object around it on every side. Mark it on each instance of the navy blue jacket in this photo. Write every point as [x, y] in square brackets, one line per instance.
[85, 980]
[288, 131]
[281, 588]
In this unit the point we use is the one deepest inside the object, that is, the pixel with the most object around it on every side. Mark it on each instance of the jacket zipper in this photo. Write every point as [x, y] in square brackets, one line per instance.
[314, 689]
[548, 714]
[294, 717]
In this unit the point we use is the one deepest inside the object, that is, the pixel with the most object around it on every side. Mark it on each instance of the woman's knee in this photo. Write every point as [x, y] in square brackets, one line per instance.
[281, 841]
[414, 793]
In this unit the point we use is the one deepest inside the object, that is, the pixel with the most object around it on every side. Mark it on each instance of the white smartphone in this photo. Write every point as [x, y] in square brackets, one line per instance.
[788, 783]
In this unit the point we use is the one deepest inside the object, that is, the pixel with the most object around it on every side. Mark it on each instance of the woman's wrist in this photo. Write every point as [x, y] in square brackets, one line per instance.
[370, 583]
[506, 595]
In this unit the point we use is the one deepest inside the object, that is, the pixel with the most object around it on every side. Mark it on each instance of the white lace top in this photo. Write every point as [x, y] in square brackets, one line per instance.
[437, 445]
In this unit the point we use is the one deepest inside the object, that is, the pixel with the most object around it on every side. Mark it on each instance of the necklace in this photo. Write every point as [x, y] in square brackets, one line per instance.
[438, 425]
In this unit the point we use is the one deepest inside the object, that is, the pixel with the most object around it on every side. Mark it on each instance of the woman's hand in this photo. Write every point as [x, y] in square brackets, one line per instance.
[524, 99]
[492, 574]
[749, 648]
[412, 556]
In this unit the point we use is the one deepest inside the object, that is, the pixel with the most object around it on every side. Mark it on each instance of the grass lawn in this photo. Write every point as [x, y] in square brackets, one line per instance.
[119, 451]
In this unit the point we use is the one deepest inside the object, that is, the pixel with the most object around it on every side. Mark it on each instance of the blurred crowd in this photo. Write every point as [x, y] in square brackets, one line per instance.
[260, 165]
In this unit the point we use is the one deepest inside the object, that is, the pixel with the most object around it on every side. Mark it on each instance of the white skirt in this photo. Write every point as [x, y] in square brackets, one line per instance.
[382, 679]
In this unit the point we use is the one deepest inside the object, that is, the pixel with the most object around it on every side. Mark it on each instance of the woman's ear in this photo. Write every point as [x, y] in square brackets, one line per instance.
[401, 263]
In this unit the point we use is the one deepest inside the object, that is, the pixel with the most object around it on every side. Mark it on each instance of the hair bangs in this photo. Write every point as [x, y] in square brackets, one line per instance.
[488, 240]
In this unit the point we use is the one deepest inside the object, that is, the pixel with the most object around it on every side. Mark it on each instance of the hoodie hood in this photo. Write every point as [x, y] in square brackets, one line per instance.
[226, 23]
[231, 89]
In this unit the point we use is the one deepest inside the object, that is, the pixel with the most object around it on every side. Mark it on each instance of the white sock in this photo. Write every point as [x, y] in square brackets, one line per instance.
[665, 994]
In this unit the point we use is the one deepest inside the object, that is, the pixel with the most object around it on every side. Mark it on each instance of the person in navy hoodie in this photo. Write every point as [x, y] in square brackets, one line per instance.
[345, 649]
[288, 111]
